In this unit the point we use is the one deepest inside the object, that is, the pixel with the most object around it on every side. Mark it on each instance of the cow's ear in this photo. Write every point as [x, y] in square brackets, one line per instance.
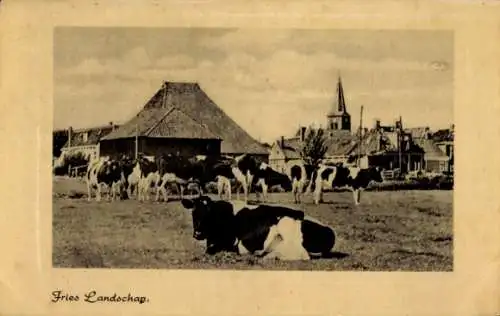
[187, 203]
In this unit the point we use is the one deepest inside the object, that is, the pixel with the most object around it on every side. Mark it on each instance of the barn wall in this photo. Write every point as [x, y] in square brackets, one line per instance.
[183, 147]
[118, 147]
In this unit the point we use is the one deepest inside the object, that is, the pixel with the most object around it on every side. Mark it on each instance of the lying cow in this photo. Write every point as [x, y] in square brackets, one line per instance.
[264, 230]
[339, 176]
[105, 172]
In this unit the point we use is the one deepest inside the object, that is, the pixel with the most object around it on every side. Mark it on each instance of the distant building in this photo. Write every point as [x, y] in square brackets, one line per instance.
[444, 140]
[181, 119]
[284, 151]
[389, 146]
[338, 119]
[86, 140]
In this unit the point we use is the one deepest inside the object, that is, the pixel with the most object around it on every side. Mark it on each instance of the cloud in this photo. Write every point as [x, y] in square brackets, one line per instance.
[289, 86]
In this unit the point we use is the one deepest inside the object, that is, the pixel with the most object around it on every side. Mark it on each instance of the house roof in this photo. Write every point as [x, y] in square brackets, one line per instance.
[370, 143]
[417, 132]
[443, 135]
[431, 150]
[94, 134]
[191, 104]
[291, 148]
[340, 143]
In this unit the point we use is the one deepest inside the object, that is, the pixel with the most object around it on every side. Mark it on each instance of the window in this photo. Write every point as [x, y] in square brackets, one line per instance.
[335, 125]
[442, 166]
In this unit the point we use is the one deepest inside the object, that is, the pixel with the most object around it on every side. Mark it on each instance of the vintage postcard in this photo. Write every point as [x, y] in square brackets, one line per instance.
[276, 165]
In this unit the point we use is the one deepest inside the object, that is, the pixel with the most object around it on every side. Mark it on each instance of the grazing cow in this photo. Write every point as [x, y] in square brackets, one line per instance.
[339, 176]
[106, 172]
[300, 173]
[271, 231]
[266, 177]
[243, 169]
[182, 171]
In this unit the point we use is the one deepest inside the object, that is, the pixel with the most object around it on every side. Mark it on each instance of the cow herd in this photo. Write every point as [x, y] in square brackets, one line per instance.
[126, 177]
[267, 230]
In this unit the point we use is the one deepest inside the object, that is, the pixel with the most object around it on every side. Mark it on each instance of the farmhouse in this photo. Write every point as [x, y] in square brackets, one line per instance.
[444, 140]
[84, 140]
[437, 147]
[389, 147]
[181, 119]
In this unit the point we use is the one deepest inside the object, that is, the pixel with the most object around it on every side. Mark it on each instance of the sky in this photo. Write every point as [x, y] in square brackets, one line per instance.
[269, 81]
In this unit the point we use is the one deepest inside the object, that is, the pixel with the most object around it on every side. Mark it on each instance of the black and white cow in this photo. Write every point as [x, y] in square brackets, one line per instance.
[354, 178]
[271, 231]
[242, 169]
[266, 177]
[146, 171]
[107, 172]
[183, 171]
[300, 174]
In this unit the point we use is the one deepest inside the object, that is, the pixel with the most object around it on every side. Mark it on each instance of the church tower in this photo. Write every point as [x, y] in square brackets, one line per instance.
[338, 119]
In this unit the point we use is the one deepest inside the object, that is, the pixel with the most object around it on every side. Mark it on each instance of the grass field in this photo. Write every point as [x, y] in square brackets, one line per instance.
[389, 231]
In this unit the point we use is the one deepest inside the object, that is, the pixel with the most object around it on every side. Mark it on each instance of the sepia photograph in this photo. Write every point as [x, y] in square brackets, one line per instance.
[253, 149]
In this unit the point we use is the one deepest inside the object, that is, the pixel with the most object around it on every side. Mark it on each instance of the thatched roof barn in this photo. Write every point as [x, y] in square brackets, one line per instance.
[182, 111]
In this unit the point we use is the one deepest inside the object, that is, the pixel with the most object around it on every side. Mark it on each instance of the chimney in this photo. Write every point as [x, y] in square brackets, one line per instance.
[377, 124]
[282, 141]
[70, 135]
[398, 125]
[112, 125]
[303, 133]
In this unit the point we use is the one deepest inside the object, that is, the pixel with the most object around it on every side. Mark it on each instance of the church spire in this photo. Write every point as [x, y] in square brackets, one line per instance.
[338, 118]
[340, 97]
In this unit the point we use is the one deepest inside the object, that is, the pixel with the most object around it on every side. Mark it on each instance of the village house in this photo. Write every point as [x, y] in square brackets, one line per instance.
[84, 140]
[435, 158]
[444, 140]
[388, 146]
[181, 119]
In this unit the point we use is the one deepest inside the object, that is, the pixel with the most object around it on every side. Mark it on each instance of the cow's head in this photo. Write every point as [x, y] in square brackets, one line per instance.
[376, 174]
[200, 210]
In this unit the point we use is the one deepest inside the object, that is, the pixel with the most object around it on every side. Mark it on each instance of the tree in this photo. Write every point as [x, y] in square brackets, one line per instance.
[314, 147]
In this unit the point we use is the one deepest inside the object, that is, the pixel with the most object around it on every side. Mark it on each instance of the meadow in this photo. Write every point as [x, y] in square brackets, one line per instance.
[406, 230]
